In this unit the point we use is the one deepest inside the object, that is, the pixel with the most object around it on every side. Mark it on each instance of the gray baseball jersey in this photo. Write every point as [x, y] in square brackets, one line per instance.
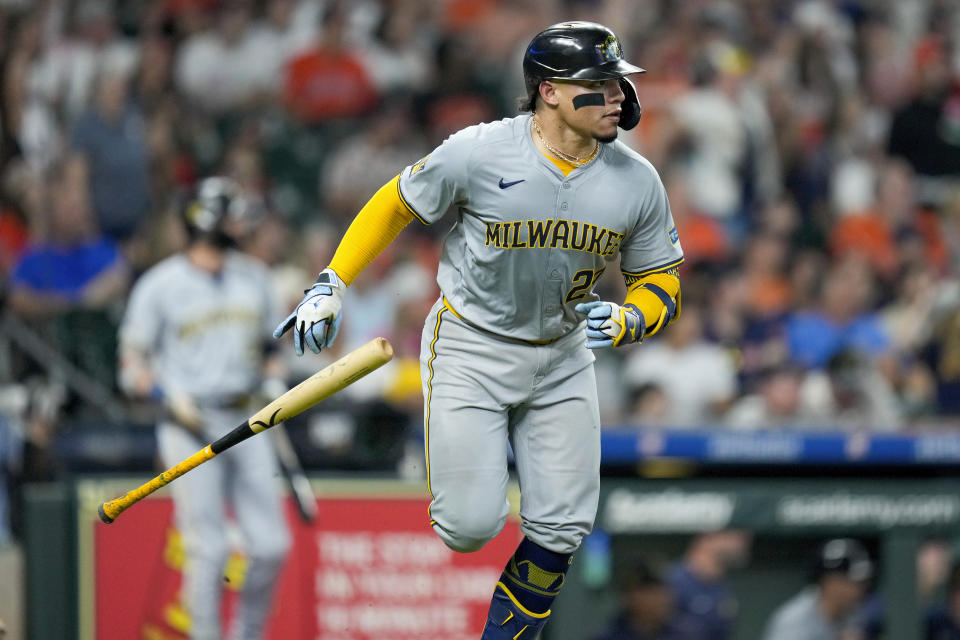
[503, 357]
[800, 618]
[529, 243]
[204, 335]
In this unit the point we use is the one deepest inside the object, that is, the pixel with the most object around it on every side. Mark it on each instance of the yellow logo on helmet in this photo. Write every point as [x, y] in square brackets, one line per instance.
[201, 217]
[610, 49]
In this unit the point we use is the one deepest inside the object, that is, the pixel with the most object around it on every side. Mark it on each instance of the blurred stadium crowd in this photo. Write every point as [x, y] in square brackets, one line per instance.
[810, 148]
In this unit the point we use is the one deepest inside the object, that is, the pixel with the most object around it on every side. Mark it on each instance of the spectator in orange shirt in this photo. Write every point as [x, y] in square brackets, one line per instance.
[330, 80]
[764, 263]
[704, 238]
[891, 231]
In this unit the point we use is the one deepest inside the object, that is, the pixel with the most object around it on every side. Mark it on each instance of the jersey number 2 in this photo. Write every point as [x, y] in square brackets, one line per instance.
[582, 281]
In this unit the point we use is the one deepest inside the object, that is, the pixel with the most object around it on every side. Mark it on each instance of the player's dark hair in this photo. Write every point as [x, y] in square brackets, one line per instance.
[641, 573]
[529, 101]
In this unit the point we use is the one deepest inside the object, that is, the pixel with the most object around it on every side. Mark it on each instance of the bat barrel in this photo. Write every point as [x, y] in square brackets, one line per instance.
[322, 385]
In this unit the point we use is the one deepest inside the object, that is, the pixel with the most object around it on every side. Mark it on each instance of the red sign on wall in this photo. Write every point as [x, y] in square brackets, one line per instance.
[367, 569]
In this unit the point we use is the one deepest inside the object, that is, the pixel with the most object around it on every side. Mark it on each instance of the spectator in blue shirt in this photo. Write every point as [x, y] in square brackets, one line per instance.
[842, 321]
[706, 605]
[73, 266]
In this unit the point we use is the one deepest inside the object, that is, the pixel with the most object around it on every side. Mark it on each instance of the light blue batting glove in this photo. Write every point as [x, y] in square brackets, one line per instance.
[611, 325]
[316, 320]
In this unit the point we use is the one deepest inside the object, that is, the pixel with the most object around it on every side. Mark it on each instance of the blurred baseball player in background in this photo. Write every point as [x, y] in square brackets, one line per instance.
[827, 609]
[193, 338]
[544, 202]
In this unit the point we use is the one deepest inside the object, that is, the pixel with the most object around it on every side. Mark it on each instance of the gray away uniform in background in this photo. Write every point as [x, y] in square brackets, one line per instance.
[204, 335]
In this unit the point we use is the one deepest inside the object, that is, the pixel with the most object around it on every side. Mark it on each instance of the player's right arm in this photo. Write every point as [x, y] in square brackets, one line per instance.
[316, 319]
[424, 191]
[139, 330]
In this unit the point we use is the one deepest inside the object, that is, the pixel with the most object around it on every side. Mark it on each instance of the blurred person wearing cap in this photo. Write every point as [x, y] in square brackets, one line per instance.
[825, 610]
[180, 314]
[706, 606]
[647, 611]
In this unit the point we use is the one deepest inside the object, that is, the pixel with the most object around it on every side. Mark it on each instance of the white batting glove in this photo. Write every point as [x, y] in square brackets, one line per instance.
[316, 319]
[610, 325]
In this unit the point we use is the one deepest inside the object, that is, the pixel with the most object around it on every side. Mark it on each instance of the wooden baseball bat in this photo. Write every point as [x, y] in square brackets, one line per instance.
[317, 387]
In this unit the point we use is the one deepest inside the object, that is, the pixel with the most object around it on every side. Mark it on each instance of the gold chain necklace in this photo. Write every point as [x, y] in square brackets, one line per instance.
[566, 157]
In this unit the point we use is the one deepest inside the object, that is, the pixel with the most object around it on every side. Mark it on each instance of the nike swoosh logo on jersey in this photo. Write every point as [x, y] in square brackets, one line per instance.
[504, 185]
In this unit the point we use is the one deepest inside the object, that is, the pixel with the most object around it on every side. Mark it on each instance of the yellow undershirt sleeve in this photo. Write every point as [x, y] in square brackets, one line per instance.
[650, 305]
[377, 224]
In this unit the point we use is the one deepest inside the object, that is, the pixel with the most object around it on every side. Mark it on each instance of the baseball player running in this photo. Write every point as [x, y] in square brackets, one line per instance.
[544, 202]
[193, 338]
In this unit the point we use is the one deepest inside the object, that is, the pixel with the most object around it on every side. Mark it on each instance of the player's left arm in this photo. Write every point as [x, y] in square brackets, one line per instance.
[424, 191]
[316, 320]
[653, 292]
[652, 302]
[656, 297]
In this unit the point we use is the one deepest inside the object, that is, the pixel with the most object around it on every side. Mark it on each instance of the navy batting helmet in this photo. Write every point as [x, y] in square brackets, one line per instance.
[844, 556]
[580, 51]
[218, 211]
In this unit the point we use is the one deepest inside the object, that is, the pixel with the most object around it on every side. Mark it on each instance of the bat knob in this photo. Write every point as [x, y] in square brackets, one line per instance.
[103, 515]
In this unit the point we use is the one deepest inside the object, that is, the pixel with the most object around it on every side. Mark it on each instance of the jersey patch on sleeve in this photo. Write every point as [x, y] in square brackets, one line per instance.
[420, 165]
[674, 236]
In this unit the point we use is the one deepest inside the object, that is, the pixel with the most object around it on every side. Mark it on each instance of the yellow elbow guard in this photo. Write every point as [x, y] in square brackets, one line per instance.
[657, 296]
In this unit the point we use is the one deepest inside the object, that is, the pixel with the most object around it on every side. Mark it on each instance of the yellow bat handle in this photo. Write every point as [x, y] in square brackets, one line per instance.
[110, 510]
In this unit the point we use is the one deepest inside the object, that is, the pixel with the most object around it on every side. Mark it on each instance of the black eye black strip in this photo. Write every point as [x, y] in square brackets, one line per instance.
[588, 100]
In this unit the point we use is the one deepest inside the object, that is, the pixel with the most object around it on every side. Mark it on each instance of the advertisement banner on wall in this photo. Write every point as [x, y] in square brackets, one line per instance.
[784, 506]
[369, 568]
